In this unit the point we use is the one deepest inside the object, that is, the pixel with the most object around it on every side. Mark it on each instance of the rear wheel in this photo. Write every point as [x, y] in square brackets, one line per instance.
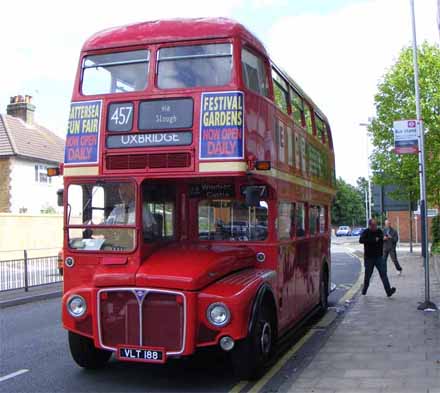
[85, 353]
[250, 356]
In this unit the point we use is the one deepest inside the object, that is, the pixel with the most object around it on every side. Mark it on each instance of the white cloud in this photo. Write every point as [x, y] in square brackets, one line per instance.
[42, 41]
[339, 58]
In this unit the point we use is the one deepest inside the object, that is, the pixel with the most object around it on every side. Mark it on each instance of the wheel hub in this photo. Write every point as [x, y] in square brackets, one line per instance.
[266, 338]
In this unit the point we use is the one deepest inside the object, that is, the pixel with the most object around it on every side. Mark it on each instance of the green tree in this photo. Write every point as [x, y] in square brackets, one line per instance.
[395, 100]
[348, 207]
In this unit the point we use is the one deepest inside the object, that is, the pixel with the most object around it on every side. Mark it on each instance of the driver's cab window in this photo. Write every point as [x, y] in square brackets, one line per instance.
[158, 212]
[102, 216]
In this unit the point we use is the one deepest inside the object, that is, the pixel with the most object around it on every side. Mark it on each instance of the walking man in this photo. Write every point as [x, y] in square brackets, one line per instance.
[372, 239]
[390, 240]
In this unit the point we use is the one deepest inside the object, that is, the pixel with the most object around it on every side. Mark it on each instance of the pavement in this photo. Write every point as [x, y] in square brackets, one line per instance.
[19, 296]
[382, 344]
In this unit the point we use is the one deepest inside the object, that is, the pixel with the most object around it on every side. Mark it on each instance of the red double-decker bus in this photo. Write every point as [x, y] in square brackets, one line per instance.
[198, 180]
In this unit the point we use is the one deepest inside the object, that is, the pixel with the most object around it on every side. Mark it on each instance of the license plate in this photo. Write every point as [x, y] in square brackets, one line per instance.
[136, 354]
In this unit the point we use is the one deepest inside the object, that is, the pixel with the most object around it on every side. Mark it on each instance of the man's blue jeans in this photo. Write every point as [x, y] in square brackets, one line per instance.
[381, 266]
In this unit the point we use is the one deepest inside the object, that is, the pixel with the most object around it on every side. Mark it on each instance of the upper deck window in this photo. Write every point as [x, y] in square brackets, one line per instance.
[194, 66]
[308, 116]
[297, 107]
[119, 72]
[254, 73]
[320, 128]
[280, 91]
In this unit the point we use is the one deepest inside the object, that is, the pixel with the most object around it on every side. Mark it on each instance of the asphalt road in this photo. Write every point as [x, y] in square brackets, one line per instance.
[34, 346]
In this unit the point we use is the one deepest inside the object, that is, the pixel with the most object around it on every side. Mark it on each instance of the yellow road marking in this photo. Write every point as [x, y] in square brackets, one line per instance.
[278, 365]
[356, 286]
[237, 388]
[286, 357]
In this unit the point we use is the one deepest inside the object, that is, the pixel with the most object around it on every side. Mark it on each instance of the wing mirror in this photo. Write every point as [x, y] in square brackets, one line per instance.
[60, 197]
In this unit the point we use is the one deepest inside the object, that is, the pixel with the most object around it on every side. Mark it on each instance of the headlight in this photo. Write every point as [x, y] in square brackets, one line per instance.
[218, 314]
[76, 306]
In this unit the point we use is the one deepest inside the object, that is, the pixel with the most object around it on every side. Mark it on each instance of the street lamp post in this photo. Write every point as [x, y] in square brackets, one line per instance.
[367, 205]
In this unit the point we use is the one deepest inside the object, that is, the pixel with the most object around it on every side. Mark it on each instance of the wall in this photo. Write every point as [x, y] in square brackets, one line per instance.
[42, 234]
[28, 195]
[400, 220]
[4, 185]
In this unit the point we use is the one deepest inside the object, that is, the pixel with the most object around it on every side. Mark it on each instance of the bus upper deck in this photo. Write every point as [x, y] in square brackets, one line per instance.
[163, 99]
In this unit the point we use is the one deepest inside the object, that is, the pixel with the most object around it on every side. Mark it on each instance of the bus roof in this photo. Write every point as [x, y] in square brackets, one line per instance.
[172, 30]
[169, 31]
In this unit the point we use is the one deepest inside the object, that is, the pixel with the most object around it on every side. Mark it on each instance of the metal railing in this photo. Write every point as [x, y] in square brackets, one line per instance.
[29, 272]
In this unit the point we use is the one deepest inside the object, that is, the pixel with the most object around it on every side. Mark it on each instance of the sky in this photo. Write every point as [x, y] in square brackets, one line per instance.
[337, 51]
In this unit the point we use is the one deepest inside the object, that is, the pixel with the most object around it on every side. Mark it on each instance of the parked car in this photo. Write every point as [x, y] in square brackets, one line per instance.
[357, 231]
[343, 231]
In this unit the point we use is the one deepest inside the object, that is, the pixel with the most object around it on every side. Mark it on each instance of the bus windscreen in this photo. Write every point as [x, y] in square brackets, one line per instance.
[115, 72]
[194, 66]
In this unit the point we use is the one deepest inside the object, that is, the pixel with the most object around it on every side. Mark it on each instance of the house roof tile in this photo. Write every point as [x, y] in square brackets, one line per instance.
[29, 140]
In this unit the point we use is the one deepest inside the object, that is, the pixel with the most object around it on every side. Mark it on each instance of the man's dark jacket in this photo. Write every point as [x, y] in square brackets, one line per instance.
[373, 243]
[393, 238]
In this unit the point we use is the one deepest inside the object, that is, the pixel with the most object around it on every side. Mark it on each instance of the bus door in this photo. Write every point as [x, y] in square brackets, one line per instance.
[286, 262]
[302, 259]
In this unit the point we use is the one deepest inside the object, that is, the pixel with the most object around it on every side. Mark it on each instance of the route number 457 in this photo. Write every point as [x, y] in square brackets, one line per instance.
[122, 115]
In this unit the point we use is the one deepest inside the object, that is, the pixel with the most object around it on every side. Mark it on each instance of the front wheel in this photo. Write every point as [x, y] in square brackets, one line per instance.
[251, 355]
[85, 354]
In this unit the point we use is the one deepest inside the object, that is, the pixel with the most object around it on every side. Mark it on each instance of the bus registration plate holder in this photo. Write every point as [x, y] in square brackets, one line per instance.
[129, 353]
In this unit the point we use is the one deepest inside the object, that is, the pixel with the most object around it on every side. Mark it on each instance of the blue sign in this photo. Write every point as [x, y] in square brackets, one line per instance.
[82, 140]
[221, 125]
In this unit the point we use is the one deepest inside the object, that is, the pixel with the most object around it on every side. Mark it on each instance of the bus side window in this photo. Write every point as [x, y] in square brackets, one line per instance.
[320, 129]
[280, 91]
[313, 220]
[285, 220]
[254, 73]
[322, 216]
[308, 116]
[300, 225]
[297, 108]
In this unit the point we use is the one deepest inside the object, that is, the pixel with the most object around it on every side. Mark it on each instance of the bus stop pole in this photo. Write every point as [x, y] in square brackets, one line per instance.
[427, 304]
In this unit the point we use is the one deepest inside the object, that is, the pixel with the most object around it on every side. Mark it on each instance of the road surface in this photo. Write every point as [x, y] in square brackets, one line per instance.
[34, 354]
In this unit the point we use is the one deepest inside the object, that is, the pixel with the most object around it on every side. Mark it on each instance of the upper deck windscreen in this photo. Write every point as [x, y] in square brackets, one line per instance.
[118, 72]
[194, 66]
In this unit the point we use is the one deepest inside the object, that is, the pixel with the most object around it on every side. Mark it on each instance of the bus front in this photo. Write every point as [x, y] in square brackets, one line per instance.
[162, 223]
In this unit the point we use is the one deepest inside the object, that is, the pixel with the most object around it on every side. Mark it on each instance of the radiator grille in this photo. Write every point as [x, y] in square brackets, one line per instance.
[166, 309]
[155, 319]
[146, 161]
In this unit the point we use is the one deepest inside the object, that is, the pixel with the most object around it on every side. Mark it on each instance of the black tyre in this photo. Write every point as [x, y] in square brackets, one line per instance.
[323, 291]
[251, 355]
[85, 353]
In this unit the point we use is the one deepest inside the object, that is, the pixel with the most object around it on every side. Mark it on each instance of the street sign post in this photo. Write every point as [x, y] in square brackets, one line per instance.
[427, 305]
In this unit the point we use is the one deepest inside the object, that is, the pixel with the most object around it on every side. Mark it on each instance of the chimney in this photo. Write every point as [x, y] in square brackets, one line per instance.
[21, 107]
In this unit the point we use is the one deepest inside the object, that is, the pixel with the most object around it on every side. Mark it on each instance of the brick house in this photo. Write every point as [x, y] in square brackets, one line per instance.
[26, 150]
[401, 222]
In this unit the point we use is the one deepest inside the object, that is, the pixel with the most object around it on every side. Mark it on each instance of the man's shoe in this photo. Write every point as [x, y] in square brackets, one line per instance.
[399, 272]
[364, 292]
[392, 292]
